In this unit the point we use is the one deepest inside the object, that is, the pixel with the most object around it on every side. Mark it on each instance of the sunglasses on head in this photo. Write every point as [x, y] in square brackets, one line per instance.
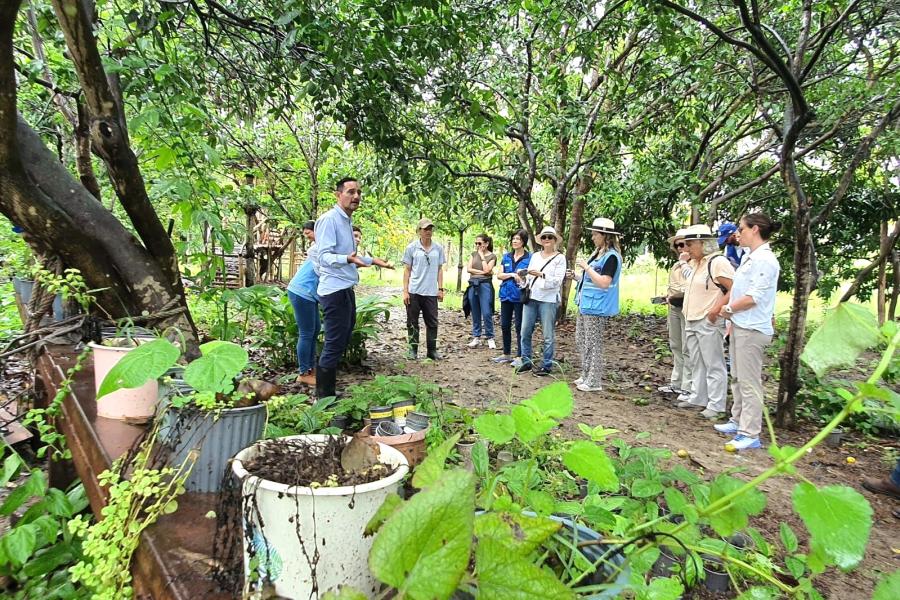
[548, 237]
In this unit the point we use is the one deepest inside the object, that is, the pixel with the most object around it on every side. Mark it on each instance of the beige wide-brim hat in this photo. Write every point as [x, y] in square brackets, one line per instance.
[698, 232]
[679, 235]
[551, 231]
[604, 225]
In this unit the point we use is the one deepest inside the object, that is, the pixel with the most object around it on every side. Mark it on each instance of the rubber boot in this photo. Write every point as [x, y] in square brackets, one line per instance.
[326, 380]
[431, 343]
[412, 336]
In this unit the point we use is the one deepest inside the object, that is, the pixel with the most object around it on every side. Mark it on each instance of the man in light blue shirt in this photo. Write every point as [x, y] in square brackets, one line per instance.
[337, 262]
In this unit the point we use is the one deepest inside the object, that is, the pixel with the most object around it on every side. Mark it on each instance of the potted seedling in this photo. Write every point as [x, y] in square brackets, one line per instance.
[306, 501]
[209, 411]
[135, 405]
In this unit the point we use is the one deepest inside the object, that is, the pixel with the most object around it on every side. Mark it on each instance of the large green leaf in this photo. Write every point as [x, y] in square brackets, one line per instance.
[530, 425]
[735, 517]
[433, 466]
[554, 400]
[759, 593]
[663, 588]
[19, 543]
[423, 549]
[216, 369]
[588, 460]
[888, 587]
[140, 365]
[498, 429]
[518, 533]
[838, 519]
[646, 488]
[390, 505]
[503, 575]
[846, 331]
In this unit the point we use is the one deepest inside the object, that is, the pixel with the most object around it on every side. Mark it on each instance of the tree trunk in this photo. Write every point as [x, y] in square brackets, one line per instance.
[61, 217]
[895, 288]
[882, 273]
[249, 250]
[573, 243]
[785, 415]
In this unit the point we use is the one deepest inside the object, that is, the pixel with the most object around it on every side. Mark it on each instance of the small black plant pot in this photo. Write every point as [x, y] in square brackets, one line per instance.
[716, 579]
[835, 438]
[342, 422]
[665, 564]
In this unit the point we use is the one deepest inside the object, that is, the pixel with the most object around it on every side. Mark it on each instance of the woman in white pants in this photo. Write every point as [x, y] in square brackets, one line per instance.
[704, 295]
[750, 306]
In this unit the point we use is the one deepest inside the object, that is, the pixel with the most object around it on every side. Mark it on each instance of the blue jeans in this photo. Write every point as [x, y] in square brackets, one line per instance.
[509, 312]
[481, 297]
[306, 313]
[547, 313]
[895, 476]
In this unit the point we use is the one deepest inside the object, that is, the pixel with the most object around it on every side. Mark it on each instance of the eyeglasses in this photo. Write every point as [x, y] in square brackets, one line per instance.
[680, 245]
[548, 237]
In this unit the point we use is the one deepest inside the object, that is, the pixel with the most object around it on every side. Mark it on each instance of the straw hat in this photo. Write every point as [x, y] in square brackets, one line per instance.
[551, 231]
[604, 225]
[698, 232]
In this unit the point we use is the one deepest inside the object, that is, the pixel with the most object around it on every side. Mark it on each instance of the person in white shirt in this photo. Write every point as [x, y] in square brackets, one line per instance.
[750, 307]
[546, 272]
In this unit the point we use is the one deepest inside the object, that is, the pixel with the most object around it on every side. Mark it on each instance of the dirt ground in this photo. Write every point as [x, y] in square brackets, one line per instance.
[631, 404]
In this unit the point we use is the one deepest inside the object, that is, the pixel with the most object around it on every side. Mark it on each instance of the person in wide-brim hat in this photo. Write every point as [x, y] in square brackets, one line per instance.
[680, 380]
[679, 235]
[548, 230]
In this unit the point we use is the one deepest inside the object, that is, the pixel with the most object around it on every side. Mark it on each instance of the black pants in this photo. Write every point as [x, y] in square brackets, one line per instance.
[339, 309]
[427, 306]
[511, 312]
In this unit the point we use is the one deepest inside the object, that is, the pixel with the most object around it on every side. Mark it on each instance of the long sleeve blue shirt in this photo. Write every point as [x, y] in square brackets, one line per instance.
[334, 238]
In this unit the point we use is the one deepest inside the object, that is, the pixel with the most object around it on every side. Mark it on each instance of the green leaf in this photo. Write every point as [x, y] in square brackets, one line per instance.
[518, 533]
[431, 469]
[423, 550]
[498, 429]
[838, 519]
[47, 560]
[788, 537]
[19, 544]
[11, 466]
[646, 488]
[505, 576]
[663, 588]
[588, 460]
[554, 400]
[675, 500]
[480, 458]
[845, 333]
[146, 362]
[529, 424]
[216, 369]
[35, 485]
[888, 587]
[344, 593]
[735, 517]
[384, 512]
[542, 502]
[164, 157]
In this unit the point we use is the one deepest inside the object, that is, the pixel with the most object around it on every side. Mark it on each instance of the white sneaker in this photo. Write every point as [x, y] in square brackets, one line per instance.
[690, 405]
[474, 343]
[666, 389]
[491, 344]
[503, 358]
[587, 388]
[578, 381]
[742, 442]
[683, 397]
[730, 427]
[516, 363]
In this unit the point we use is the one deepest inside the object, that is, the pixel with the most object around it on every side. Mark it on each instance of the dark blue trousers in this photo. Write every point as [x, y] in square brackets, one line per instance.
[339, 310]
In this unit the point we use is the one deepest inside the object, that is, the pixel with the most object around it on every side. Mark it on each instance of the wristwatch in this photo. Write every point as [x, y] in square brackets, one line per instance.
[727, 308]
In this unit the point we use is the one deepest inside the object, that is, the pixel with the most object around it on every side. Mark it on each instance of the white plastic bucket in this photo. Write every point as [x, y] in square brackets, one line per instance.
[298, 522]
[135, 405]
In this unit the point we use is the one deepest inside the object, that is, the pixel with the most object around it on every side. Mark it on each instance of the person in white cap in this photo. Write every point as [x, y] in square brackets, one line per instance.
[680, 379]
[546, 272]
[423, 288]
[597, 297]
[704, 295]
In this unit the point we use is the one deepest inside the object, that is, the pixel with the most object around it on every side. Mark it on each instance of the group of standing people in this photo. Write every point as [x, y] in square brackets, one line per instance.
[710, 300]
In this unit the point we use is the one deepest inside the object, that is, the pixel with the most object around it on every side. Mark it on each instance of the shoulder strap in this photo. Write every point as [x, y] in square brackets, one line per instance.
[709, 274]
[541, 270]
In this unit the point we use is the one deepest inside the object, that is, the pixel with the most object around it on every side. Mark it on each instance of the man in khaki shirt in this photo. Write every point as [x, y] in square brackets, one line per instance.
[704, 330]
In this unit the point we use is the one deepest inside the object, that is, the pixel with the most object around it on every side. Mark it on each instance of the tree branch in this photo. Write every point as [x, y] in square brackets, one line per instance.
[865, 272]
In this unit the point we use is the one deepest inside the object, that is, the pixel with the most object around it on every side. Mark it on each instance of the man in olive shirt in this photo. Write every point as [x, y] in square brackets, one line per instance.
[423, 288]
